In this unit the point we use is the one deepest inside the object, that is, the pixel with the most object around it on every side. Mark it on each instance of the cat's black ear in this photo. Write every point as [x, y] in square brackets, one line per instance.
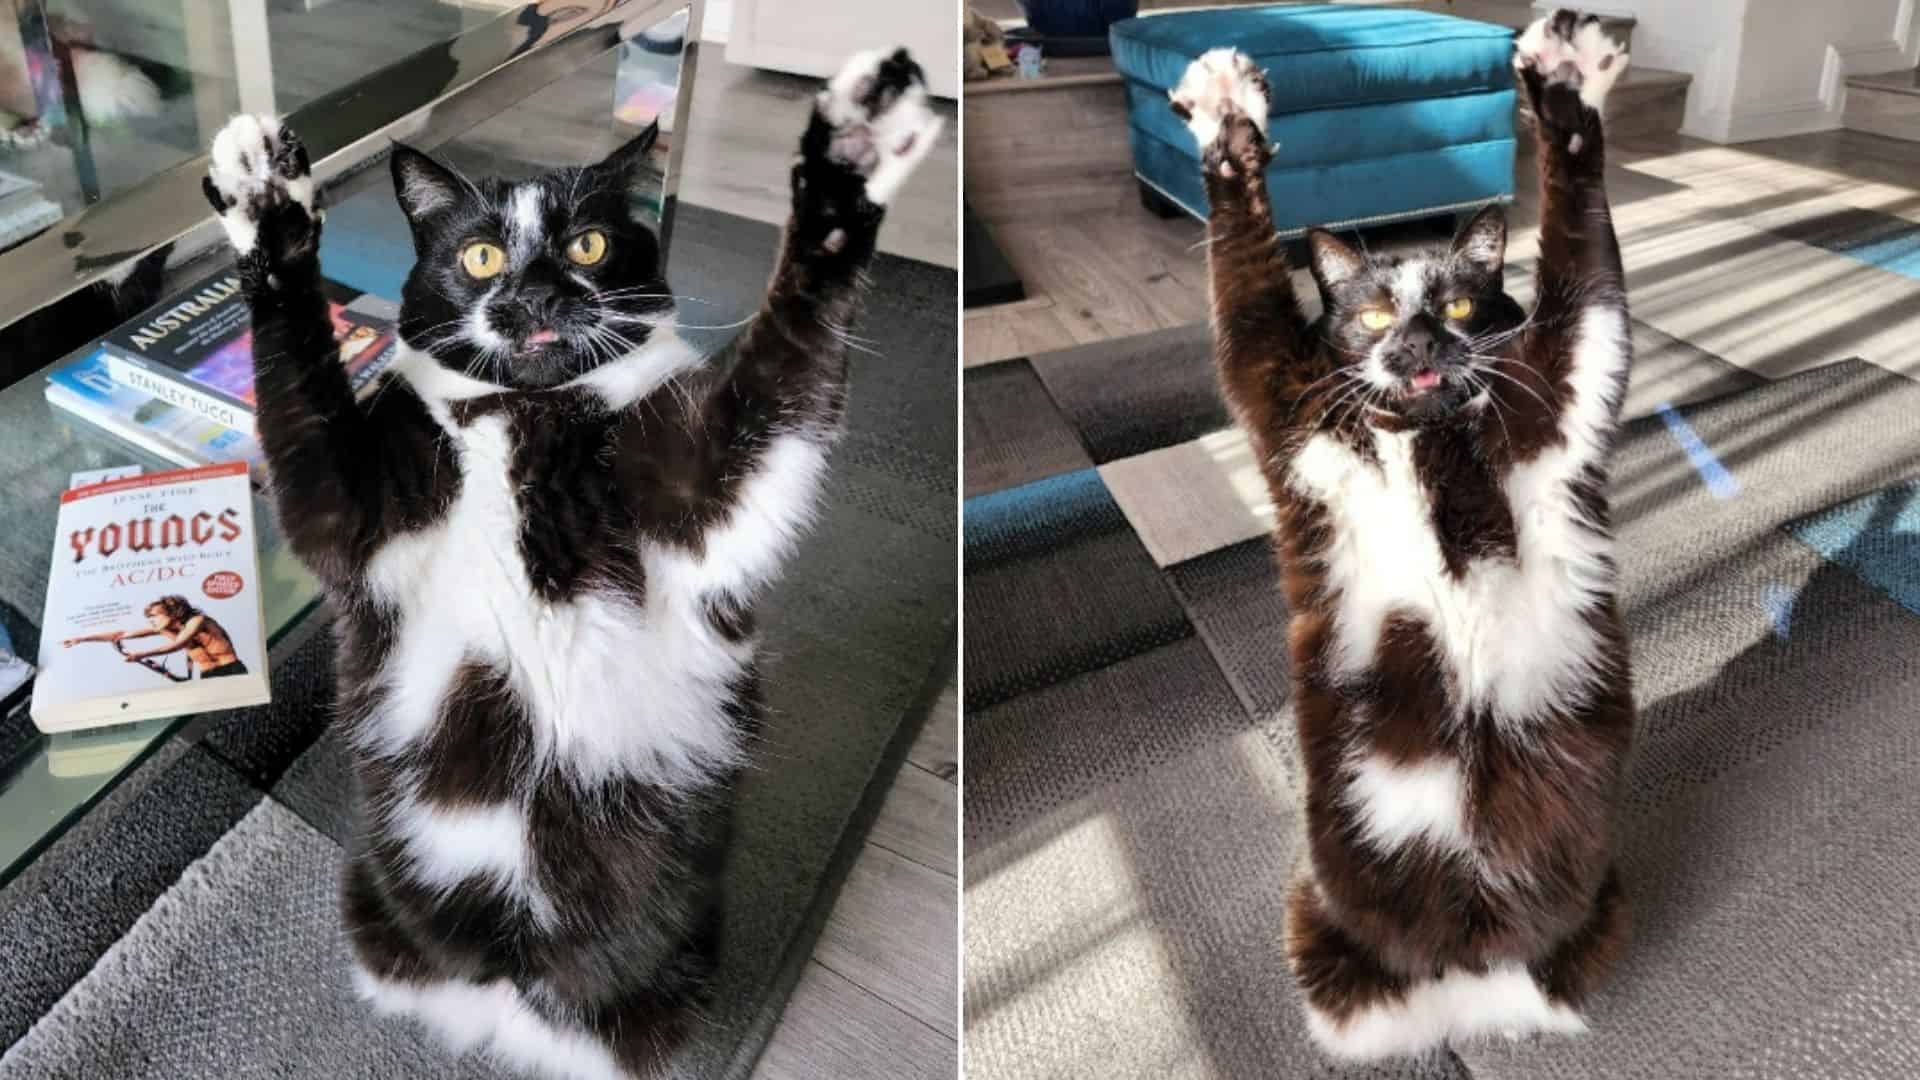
[1483, 241]
[424, 186]
[627, 158]
[1334, 262]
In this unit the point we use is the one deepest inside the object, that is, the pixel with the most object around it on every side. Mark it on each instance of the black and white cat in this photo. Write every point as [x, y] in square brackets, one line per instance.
[1437, 458]
[545, 535]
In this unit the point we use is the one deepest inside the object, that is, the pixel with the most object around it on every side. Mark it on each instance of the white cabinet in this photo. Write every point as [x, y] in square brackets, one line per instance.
[813, 37]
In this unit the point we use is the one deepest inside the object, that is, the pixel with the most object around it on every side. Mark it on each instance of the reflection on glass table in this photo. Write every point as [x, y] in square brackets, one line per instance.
[96, 96]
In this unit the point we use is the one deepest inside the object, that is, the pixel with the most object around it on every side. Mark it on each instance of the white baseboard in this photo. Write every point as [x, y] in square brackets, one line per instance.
[717, 21]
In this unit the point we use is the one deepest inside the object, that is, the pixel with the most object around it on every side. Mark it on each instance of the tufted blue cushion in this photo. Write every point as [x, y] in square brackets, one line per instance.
[1324, 56]
[1379, 113]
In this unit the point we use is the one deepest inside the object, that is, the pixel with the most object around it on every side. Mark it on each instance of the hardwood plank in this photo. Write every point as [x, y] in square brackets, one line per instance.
[1002, 333]
[937, 747]
[834, 1028]
[917, 821]
[893, 933]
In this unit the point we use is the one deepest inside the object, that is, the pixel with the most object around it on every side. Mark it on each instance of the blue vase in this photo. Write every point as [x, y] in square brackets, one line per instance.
[1077, 18]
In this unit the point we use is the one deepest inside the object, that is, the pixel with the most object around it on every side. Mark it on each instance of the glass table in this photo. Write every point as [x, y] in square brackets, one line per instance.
[494, 85]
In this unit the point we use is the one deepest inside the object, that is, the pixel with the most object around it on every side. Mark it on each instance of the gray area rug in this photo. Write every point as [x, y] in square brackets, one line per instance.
[238, 972]
[237, 969]
[1130, 831]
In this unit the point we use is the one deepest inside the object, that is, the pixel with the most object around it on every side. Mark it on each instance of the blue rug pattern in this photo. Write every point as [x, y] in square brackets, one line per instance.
[1876, 536]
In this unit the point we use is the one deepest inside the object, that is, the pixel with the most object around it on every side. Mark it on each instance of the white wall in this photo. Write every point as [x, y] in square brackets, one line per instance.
[810, 37]
[1766, 68]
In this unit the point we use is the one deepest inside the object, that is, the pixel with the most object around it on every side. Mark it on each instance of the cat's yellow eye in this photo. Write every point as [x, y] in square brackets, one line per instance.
[482, 260]
[1459, 309]
[587, 248]
[1376, 319]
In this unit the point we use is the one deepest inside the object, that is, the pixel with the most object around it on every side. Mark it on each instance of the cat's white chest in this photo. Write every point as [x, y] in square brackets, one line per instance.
[1512, 630]
[613, 684]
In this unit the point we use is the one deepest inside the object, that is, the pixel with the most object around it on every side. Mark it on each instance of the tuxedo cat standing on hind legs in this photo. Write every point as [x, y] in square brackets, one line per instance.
[545, 535]
[1437, 458]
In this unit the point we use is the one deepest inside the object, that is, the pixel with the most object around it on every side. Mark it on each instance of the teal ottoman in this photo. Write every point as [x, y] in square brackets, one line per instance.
[1381, 114]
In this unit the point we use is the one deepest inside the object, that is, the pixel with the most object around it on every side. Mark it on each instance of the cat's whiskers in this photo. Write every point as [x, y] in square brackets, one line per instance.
[677, 325]
[1492, 370]
[1361, 389]
[1307, 390]
[1481, 386]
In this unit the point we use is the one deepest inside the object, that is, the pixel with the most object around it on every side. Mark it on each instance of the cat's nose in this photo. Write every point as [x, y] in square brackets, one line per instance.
[1417, 346]
[541, 304]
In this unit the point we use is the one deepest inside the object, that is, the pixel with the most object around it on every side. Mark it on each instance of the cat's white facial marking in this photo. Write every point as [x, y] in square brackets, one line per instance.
[1395, 804]
[1410, 286]
[1513, 631]
[480, 330]
[1458, 1006]
[526, 227]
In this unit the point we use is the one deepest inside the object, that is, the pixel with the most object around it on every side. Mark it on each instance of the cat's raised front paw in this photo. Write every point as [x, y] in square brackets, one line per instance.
[1221, 84]
[259, 177]
[1567, 52]
[882, 126]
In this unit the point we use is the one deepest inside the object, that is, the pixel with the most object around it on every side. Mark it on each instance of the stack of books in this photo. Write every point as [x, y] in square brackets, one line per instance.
[177, 380]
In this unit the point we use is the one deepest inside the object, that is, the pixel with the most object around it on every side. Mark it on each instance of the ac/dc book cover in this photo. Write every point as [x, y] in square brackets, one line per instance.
[153, 601]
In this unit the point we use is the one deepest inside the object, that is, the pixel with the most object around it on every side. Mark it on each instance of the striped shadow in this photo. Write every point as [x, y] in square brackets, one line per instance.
[1877, 239]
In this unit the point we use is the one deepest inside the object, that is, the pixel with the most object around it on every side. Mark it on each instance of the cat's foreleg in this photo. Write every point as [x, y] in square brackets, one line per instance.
[781, 405]
[1259, 331]
[1579, 343]
[310, 427]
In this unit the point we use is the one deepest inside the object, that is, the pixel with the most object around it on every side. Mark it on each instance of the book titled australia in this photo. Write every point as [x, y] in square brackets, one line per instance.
[153, 602]
[194, 350]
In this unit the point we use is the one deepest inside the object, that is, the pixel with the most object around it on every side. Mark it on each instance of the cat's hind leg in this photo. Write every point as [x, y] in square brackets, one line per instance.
[1357, 1010]
[397, 977]
[1584, 959]
[488, 1016]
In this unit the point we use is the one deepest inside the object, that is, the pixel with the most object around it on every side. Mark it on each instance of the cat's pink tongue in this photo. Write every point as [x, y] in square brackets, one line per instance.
[542, 337]
[1426, 379]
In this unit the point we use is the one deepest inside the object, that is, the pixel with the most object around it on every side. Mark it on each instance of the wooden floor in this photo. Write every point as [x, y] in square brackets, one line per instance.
[879, 999]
